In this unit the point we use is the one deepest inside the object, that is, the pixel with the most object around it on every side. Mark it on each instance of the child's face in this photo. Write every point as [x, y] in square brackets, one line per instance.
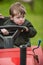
[18, 19]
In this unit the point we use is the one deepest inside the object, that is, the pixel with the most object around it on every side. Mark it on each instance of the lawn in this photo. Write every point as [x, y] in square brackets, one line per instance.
[35, 17]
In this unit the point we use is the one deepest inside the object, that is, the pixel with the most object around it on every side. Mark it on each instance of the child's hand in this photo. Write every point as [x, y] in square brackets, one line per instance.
[26, 29]
[4, 31]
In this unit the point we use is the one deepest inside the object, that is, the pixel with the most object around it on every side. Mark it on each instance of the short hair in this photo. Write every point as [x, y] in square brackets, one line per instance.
[18, 7]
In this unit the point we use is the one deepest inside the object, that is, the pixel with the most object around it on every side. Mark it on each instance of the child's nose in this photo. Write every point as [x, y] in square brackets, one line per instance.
[21, 19]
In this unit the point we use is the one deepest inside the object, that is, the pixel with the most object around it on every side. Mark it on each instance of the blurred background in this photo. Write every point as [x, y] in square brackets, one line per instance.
[34, 9]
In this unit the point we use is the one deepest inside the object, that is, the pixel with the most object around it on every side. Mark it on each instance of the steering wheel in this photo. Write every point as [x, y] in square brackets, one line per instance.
[7, 41]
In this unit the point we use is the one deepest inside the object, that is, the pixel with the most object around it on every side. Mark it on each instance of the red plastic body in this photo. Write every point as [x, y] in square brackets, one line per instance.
[11, 56]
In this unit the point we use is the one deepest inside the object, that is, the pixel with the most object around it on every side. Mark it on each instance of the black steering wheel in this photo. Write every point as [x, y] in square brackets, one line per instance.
[7, 41]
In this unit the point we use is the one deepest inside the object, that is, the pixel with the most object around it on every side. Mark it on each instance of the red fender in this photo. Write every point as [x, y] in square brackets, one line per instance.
[12, 56]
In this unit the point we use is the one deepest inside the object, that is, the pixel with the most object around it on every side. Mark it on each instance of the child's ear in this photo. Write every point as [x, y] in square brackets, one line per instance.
[11, 17]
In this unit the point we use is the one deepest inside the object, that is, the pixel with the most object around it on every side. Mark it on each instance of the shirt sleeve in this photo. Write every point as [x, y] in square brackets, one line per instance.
[32, 31]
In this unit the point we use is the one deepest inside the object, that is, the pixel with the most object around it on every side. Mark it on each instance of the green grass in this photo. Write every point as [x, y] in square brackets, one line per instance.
[35, 17]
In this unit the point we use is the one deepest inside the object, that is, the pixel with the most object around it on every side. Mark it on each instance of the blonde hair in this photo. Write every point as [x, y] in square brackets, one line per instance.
[17, 8]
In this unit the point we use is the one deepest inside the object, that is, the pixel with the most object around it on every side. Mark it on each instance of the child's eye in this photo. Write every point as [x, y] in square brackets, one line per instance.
[18, 17]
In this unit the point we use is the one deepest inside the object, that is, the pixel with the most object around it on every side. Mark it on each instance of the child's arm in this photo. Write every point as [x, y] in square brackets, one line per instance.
[31, 32]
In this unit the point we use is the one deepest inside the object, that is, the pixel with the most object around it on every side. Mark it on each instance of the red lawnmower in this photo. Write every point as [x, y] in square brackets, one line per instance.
[23, 55]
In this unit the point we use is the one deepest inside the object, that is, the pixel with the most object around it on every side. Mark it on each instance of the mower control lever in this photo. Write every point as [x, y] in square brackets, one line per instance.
[37, 46]
[39, 43]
